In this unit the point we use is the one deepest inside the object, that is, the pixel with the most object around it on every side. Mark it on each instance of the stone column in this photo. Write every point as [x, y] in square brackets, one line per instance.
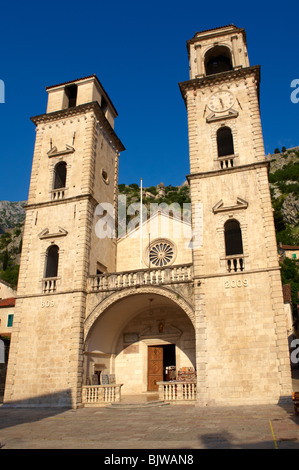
[235, 55]
[199, 61]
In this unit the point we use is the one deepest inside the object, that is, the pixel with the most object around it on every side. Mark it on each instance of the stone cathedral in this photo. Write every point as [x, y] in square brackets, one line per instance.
[192, 311]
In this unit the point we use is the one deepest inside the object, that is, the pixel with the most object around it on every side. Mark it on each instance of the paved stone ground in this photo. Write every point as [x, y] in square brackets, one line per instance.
[155, 427]
[185, 427]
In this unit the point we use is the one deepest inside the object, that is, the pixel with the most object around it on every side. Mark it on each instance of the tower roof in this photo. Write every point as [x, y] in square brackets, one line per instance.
[80, 80]
[216, 29]
[216, 32]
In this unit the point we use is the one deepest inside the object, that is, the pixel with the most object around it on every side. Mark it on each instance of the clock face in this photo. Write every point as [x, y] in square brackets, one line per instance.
[221, 101]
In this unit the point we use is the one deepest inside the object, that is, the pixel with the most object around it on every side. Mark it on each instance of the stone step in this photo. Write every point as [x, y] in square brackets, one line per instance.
[134, 405]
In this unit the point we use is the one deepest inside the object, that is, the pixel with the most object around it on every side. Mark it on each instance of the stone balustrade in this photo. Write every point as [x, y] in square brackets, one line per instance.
[58, 194]
[226, 162]
[177, 391]
[50, 285]
[140, 277]
[235, 263]
[97, 395]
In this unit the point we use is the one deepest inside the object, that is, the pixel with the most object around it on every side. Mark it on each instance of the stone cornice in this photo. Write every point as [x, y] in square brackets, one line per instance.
[235, 169]
[216, 32]
[81, 109]
[37, 205]
[219, 78]
[243, 273]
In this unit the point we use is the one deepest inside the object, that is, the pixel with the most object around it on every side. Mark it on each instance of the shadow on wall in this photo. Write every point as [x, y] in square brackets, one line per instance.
[59, 399]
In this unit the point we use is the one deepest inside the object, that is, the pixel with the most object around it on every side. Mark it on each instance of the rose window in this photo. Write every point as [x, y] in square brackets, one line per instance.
[161, 254]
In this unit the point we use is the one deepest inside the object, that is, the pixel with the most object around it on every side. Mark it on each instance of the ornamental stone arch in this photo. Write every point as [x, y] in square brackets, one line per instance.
[222, 55]
[104, 304]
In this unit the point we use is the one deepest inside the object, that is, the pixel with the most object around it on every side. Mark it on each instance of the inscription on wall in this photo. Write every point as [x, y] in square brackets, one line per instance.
[47, 303]
[236, 283]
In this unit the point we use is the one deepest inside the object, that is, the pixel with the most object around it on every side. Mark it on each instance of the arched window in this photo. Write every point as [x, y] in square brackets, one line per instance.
[217, 60]
[225, 143]
[59, 175]
[52, 257]
[233, 238]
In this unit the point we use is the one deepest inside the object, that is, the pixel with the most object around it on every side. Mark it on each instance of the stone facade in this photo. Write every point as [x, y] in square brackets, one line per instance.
[242, 351]
[166, 284]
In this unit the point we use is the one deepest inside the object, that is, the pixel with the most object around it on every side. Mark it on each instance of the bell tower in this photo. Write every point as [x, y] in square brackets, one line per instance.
[75, 168]
[242, 348]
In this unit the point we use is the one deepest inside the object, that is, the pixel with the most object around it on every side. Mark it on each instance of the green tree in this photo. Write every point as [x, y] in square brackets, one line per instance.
[153, 190]
[290, 275]
[134, 186]
[10, 275]
[5, 260]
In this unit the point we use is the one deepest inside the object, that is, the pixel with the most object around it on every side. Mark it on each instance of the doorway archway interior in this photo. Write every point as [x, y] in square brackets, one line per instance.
[123, 338]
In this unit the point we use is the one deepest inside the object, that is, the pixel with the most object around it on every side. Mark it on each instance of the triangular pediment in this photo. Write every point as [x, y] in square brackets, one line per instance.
[54, 152]
[132, 228]
[232, 113]
[220, 207]
[47, 234]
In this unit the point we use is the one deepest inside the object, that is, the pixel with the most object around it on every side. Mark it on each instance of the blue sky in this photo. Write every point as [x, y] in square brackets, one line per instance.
[138, 51]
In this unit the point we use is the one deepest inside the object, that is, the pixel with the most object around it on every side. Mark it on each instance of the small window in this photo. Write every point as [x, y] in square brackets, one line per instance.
[52, 261]
[233, 238]
[71, 93]
[59, 175]
[10, 320]
[105, 176]
[294, 256]
[225, 144]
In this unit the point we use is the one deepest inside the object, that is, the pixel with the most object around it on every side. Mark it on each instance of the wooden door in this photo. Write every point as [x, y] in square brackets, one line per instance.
[155, 366]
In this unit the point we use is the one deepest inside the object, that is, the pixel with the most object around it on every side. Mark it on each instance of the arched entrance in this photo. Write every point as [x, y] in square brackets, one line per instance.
[140, 339]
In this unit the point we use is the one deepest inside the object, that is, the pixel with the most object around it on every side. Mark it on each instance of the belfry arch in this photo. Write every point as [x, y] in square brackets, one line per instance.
[218, 59]
[123, 329]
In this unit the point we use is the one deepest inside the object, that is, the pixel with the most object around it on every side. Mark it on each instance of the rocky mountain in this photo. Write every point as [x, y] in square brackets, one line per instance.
[284, 187]
[11, 214]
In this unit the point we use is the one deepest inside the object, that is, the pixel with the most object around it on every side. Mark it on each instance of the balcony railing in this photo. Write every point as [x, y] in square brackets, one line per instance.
[50, 285]
[141, 277]
[235, 263]
[97, 395]
[58, 194]
[226, 162]
[177, 391]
